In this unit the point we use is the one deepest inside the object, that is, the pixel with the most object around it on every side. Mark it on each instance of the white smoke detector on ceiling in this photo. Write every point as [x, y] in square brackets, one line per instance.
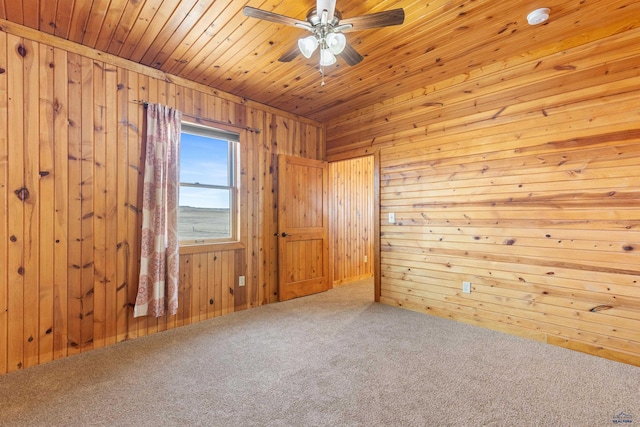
[538, 16]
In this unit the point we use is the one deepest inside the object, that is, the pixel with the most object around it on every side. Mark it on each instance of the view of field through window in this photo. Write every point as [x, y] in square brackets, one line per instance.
[203, 223]
[205, 187]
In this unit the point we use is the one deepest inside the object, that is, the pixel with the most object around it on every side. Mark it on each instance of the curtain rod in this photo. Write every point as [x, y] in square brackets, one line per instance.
[247, 128]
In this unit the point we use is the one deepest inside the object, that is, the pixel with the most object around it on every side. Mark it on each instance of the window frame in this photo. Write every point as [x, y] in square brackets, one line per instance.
[232, 136]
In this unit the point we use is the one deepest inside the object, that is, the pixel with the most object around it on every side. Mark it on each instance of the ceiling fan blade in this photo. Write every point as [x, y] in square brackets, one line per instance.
[374, 20]
[290, 54]
[350, 55]
[274, 17]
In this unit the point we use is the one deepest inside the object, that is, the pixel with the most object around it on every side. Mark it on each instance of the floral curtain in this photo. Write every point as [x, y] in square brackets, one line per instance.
[158, 284]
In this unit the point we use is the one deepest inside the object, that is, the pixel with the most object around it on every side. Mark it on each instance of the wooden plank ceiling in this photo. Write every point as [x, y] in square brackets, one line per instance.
[212, 42]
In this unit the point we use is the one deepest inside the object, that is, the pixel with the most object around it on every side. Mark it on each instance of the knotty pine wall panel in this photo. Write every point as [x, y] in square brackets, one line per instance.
[4, 196]
[523, 179]
[352, 207]
[71, 124]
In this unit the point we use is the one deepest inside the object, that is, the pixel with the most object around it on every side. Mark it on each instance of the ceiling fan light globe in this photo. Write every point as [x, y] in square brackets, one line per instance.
[307, 46]
[327, 58]
[336, 42]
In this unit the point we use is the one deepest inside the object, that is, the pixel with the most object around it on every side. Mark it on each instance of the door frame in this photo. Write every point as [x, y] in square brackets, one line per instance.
[377, 268]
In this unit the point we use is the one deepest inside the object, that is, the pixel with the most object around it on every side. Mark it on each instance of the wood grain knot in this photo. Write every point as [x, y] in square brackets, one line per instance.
[600, 308]
[22, 193]
[57, 106]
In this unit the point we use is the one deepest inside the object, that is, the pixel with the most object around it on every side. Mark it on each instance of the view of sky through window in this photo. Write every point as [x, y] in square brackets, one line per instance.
[203, 160]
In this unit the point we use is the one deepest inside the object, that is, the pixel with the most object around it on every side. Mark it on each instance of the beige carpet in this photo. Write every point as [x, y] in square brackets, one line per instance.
[333, 359]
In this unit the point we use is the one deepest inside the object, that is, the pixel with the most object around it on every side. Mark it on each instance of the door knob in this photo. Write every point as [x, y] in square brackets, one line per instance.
[284, 234]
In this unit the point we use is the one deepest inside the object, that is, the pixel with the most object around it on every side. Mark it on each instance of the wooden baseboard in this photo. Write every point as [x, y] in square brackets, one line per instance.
[594, 350]
[351, 280]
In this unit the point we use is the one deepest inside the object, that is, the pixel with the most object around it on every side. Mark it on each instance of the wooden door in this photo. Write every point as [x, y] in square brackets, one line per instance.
[303, 232]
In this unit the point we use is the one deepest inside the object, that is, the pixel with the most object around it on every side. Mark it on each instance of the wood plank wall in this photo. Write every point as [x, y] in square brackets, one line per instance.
[523, 179]
[351, 221]
[70, 157]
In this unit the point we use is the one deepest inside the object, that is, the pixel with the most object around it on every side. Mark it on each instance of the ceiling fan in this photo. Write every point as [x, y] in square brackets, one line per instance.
[327, 28]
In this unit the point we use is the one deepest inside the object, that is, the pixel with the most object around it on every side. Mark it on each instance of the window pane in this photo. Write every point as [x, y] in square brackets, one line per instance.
[204, 160]
[204, 213]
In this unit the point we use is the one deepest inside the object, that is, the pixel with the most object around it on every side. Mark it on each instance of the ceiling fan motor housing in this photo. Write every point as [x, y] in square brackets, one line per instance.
[314, 19]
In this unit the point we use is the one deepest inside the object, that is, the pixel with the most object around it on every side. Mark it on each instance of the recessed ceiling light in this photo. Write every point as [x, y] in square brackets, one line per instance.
[538, 16]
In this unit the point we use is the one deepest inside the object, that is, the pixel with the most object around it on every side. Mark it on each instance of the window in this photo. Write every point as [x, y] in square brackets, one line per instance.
[208, 190]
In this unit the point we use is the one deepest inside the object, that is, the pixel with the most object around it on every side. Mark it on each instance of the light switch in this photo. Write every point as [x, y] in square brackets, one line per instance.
[392, 218]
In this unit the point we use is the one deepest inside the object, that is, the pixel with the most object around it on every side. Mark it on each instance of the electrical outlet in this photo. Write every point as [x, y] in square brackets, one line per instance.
[466, 287]
[241, 281]
[392, 218]
[366, 259]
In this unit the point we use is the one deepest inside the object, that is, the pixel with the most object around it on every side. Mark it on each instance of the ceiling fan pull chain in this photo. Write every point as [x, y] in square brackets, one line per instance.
[322, 73]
